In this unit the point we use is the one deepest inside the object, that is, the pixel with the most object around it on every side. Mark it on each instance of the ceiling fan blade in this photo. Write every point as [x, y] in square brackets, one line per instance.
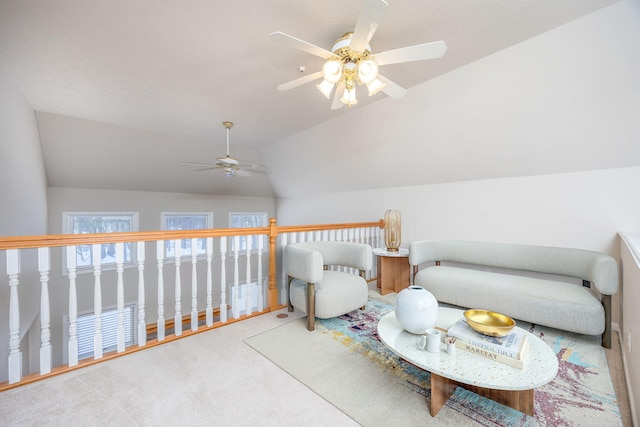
[412, 53]
[336, 104]
[205, 169]
[198, 164]
[301, 45]
[370, 17]
[299, 82]
[392, 89]
[253, 169]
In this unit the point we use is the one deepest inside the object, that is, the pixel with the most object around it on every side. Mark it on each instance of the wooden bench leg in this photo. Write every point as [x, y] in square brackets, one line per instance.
[606, 335]
[311, 306]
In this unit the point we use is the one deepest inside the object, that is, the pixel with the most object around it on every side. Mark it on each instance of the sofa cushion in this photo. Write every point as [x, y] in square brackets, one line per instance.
[551, 303]
[338, 293]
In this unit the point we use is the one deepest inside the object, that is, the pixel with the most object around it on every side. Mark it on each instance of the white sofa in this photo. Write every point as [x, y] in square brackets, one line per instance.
[544, 285]
[321, 292]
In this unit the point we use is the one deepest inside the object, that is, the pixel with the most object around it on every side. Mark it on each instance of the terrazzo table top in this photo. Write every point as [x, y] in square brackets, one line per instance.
[540, 363]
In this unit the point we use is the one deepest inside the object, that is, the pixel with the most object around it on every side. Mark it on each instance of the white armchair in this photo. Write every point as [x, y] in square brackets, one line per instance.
[324, 293]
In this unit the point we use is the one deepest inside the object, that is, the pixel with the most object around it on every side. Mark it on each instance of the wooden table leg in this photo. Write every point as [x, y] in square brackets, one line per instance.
[520, 400]
[441, 389]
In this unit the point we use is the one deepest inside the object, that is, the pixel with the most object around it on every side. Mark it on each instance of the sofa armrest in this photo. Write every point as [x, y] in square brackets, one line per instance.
[603, 272]
[347, 254]
[421, 252]
[303, 264]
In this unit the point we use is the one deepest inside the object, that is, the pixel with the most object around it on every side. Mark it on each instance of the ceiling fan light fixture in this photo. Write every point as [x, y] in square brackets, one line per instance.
[349, 97]
[375, 86]
[332, 71]
[325, 87]
[367, 71]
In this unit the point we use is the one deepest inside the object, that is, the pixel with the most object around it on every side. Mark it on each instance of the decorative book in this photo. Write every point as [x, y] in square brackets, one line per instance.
[511, 346]
[479, 351]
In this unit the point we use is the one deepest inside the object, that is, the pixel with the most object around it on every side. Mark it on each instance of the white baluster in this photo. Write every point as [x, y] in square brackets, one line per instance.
[248, 304]
[45, 311]
[160, 258]
[223, 279]
[236, 278]
[72, 346]
[142, 324]
[194, 285]
[325, 235]
[209, 309]
[120, 296]
[283, 287]
[260, 284]
[96, 250]
[177, 318]
[15, 355]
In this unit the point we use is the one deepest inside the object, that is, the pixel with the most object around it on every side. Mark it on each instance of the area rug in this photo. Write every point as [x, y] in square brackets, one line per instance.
[344, 361]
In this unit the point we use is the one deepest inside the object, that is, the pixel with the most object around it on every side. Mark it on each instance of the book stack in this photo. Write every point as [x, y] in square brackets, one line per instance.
[509, 349]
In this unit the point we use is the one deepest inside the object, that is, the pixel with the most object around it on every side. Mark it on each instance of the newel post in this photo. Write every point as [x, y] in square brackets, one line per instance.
[273, 290]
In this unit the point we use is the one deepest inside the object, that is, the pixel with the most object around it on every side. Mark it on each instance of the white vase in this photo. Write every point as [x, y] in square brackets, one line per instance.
[416, 309]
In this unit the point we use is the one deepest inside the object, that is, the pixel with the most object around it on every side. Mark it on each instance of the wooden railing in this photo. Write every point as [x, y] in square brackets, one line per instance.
[131, 280]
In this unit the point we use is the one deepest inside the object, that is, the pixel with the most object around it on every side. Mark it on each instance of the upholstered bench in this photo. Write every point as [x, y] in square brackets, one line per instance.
[321, 292]
[544, 285]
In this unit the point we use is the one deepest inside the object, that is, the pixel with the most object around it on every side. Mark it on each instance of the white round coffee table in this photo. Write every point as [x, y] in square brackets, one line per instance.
[497, 381]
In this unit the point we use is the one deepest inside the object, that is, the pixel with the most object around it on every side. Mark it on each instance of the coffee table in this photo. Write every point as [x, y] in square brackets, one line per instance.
[502, 383]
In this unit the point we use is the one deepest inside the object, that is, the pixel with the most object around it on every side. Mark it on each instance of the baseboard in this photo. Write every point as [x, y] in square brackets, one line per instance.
[632, 408]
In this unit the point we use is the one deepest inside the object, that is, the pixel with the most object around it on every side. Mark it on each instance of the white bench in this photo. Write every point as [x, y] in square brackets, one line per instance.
[544, 285]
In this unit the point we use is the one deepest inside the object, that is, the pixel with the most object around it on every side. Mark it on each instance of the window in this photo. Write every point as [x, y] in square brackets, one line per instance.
[186, 221]
[247, 220]
[99, 222]
[86, 330]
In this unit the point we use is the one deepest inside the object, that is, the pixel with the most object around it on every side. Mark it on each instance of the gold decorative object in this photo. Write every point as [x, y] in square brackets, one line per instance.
[489, 322]
[392, 226]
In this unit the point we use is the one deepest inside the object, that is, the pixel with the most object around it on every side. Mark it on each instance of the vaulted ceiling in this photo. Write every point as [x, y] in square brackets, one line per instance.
[126, 90]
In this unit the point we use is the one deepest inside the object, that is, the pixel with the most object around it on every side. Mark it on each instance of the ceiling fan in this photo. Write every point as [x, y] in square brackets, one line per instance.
[230, 165]
[351, 62]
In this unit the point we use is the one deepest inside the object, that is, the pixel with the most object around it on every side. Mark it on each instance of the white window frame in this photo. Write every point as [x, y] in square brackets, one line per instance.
[86, 330]
[68, 218]
[163, 226]
[243, 239]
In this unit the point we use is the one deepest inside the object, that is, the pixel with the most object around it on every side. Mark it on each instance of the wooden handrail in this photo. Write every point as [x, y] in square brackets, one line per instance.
[53, 240]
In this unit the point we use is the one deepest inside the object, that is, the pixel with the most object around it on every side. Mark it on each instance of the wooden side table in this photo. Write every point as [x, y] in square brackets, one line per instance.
[393, 270]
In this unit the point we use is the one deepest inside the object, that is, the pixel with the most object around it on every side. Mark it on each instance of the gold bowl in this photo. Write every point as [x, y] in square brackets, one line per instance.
[489, 322]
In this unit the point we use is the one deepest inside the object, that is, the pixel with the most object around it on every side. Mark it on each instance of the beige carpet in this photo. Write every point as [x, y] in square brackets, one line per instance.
[371, 396]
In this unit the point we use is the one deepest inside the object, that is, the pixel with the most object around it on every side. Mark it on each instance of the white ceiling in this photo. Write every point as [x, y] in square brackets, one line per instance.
[159, 77]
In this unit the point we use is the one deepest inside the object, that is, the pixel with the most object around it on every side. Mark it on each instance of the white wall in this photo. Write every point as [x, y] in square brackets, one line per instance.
[579, 209]
[23, 209]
